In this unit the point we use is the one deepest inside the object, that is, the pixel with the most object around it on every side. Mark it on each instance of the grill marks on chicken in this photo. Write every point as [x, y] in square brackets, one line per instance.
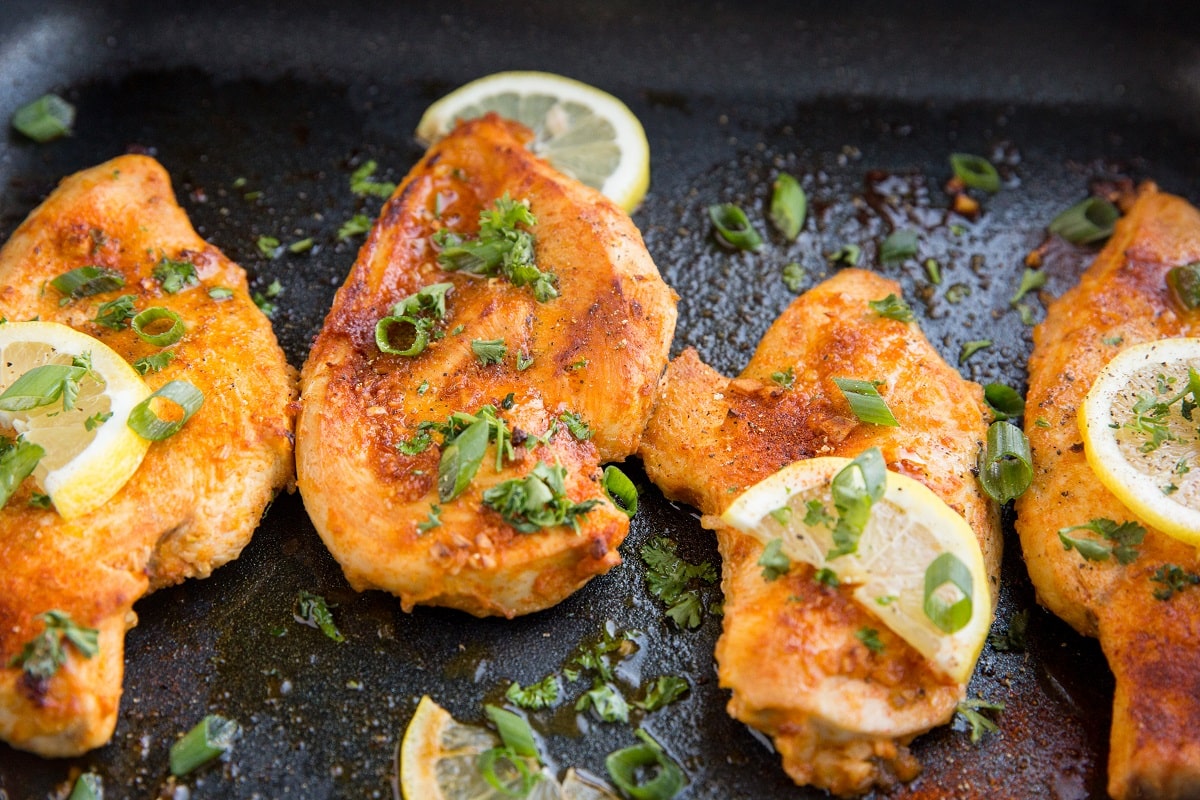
[197, 497]
[840, 715]
[1152, 646]
[595, 351]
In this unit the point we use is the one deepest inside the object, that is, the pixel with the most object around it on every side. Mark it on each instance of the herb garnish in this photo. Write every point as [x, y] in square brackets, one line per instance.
[672, 580]
[785, 378]
[620, 490]
[422, 310]
[975, 171]
[464, 440]
[971, 348]
[538, 500]
[501, 248]
[1031, 279]
[793, 277]
[606, 701]
[898, 246]
[115, 314]
[45, 119]
[1086, 222]
[855, 488]
[211, 738]
[848, 255]
[312, 610]
[1005, 463]
[870, 638]
[665, 689]
[1174, 580]
[153, 363]
[645, 771]
[87, 281]
[416, 444]
[44, 654]
[1004, 401]
[733, 229]
[175, 276]
[489, 351]
[434, 520]
[362, 184]
[576, 425]
[268, 246]
[789, 206]
[1125, 536]
[355, 226]
[774, 562]
[1184, 283]
[892, 307]
[263, 299]
[866, 402]
[535, 696]
[1151, 414]
[972, 711]
[1013, 637]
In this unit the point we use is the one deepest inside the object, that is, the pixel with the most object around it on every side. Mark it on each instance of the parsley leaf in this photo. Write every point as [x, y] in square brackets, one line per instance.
[312, 610]
[416, 444]
[972, 711]
[115, 314]
[870, 638]
[665, 690]
[538, 500]
[784, 378]
[670, 579]
[535, 696]
[606, 701]
[793, 277]
[44, 654]
[892, 307]
[576, 425]
[175, 276]
[1125, 536]
[355, 226]
[773, 561]
[602, 655]
[363, 185]
[154, 363]
[1013, 638]
[489, 351]
[1174, 580]
[434, 520]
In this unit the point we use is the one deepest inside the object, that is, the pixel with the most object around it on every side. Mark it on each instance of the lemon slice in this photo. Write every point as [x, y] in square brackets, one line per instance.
[584, 132]
[1139, 441]
[908, 533]
[90, 451]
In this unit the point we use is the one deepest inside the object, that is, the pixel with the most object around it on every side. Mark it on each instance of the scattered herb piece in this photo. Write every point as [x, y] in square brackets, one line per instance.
[1113, 341]
[96, 420]
[211, 738]
[416, 444]
[1184, 283]
[892, 307]
[620, 490]
[153, 363]
[268, 246]
[44, 386]
[855, 488]
[39, 500]
[971, 348]
[606, 701]
[672, 580]
[785, 378]
[434, 520]
[263, 299]
[644, 771]
[524, 361]
[865, 402]
[957, 292]
[732, 227]
[576, 425]
[355, 226]
[535, 696]
[1174, 580]
[934, 270]
[1125, 537]
[898, 246]
[149, 425]
[1025, 311]
[175, 276]
[88, 281]
[1005, 464]
[782, 515]
[44, 654]
[815, 514]
[538, 500]
[793, 277]
[975, 171]
[489, 351]
[575, 366]
[143, 322]
[88, 786]
[665, 689]
[1004, 401]
[847, 255]
[603, 654]
[312, 610]
[972, 710]
[1013, 637]
[501, 248]
[1031, 280]
[827, 577]
[775, 564]
[789, 206]
[45, 119]
[363, 185]
[220, 293]
[870, 638]
[950, 611]
[301, 246]
[115, 314]
[1089, 221]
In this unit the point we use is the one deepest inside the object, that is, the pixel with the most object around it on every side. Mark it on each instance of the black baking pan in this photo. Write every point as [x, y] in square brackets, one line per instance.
[260, 111]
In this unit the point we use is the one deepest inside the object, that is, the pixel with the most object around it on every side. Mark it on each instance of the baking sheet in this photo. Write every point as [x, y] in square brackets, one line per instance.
[862, 103]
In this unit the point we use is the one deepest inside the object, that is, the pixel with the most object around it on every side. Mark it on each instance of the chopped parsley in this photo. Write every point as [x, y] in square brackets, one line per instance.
[971, 348]
[576, 425]
[1013, 637]
[355, 226]
[793, 277]
[535, 696]
[312, 610]
[464, 441]
[175, 276]
[1125, 536]
[848, 255]
[603, 654]
[502, 248]
[1174, 579]
[263, 299]
[96, 420]
[268, 246]
[1151, 414]
[364, 185]
[489, 351]
[87, 281]
[673, 581]
[815, 514]
[220, 293]
[115, 314]
[827, 577]
[434, 520]
[785, 378]
[416, 444]
[301, 246]
[524, 361]
[154, 363]
[538, 500]
[665, 689]
[44, 654]
[1031, 280]
[892, 307]
[870, 638]
[972, 710]
[606, 701]
[774, 562]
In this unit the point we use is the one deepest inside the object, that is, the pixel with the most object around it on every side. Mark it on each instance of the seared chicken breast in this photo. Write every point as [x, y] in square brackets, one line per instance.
[1152, 645]
[197, 496]
[840, 714]
[567, 364]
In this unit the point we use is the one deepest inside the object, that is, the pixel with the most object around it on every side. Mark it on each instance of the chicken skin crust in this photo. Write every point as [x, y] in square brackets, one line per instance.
[197, 497]
[1152, 646]
[840, 714]
[593, 353]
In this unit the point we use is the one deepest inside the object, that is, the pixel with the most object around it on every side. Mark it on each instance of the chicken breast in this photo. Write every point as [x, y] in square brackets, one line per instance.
[840, 714]
[1153, 646]
[197, 497]
[592, 354]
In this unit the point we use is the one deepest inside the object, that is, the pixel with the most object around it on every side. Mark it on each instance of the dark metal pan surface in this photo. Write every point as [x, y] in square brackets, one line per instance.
[261, 111]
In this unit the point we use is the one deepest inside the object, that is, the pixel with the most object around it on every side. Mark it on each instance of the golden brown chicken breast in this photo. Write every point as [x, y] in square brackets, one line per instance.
[451, 453]
[198, 495]
[840, 713]
[1152, 645]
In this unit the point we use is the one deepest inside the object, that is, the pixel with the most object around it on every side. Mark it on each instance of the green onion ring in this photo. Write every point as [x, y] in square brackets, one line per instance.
[488, 760]
[156, 314]
[734, 228]
[975, 171]
[150, 426]
[620, 490]
[949, 617]
[1086, 222]
[420, 335]
[623, 767]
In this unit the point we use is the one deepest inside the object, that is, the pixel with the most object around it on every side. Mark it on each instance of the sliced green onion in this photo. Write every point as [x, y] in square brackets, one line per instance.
[383, 335]
[789, 206]
[975, 171]
[514, 731]
[848, 254]
[620, 490]
[1184, 283]
[899, 246]
[734, 228]
[210, 738]
[949, 617]
[147, 424]
[43, 386]
[866, 402]
[461, 459]
[971, 348]
[87, 281]
[302, 246]
[1005, 467]
[156, 314]
[220, 293]
[16, 464]
[661, 778]
[1084, 223]
[520, 780]
[1004, 401]
[45, 119]
[855, 488]
[88, 786]
[934, 270]
[793, 277]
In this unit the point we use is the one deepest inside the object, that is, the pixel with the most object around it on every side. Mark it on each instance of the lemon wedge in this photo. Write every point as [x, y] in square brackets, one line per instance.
[90, 452]
[1140, 433]
[917, 567]
[584, 132]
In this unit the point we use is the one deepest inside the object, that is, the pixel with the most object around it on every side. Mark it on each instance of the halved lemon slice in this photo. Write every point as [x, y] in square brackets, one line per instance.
[917, 566]
[584, 132]
[90, 451]
[1141, 433]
